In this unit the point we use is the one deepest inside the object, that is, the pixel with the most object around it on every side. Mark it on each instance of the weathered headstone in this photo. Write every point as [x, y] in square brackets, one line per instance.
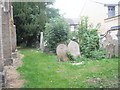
[62, 52]
[115, 43]
[41, 42]
[74, 49]
[107, 40]
[110, 48]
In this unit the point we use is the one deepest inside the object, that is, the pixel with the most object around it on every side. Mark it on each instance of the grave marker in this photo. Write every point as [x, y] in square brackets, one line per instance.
[74, 49]
[41, 42]
[62, 52]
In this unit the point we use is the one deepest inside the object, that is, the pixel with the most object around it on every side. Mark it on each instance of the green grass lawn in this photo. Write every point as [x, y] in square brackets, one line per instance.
[43, 71]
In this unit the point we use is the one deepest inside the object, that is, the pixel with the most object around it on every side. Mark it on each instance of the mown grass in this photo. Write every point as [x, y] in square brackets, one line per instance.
[41, 70]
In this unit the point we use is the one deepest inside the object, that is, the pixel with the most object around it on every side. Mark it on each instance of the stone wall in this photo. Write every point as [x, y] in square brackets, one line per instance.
[1, 49]
[6, 34]
[7, 38]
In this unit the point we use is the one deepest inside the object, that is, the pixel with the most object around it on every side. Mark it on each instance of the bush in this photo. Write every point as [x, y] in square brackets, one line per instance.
[98, 54]
[88, 38]
[73, 35]
[56, 32]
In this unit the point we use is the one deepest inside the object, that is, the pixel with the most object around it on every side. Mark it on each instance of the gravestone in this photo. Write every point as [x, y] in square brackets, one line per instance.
[115, 43]
[61, 51]
[107, 40]
[74, 49]
[110, 48]
[41, 42]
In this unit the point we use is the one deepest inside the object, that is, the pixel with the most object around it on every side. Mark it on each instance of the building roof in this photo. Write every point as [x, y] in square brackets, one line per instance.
[110, 4]
[115, 27]
[73, 20]
[107, 1]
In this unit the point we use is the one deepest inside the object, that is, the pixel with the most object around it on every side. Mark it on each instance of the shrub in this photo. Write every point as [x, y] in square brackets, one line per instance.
[56, 32]
[98, 54]
[88, 38]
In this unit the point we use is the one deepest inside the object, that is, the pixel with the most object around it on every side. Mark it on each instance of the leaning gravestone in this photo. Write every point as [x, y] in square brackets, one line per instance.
[73, 48]
[62, 52]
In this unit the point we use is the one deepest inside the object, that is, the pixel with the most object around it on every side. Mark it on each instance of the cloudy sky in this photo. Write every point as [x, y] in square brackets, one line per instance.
[72, 8]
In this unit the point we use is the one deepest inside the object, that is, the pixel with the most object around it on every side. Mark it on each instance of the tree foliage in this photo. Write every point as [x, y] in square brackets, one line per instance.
[52, 12]
[30, 19]
[56, 32]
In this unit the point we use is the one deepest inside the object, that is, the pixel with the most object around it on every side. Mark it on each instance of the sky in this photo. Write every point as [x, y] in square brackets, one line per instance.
[72, 8]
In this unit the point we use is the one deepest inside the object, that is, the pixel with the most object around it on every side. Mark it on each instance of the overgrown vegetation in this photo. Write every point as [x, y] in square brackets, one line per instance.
[98, 54]
[70, 56]
[30, 19]
[88, 39]
[56, 32]
[43, 71]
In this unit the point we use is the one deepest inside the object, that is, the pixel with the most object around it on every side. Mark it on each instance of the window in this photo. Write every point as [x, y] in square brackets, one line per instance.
[111, 11]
